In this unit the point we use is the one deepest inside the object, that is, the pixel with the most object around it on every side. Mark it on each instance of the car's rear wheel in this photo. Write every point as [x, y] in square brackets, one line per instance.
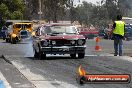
[73, 55]
[81, 55]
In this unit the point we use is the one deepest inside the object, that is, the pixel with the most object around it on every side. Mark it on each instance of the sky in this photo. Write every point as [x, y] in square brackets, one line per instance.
[92, 1]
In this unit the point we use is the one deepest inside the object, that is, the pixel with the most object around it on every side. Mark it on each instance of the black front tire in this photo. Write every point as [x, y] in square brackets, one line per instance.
[73, 55]
[13, 41]
[7, 40]
[42, 56]
[81, 55]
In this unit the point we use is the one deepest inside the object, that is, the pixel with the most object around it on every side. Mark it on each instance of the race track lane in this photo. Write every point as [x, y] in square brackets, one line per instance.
[60, 72]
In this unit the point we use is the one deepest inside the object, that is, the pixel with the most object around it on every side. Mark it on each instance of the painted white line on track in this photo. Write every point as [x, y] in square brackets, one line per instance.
[39, 81]
[127, 58]
[32, 76]
[106, 54]
[90, 55]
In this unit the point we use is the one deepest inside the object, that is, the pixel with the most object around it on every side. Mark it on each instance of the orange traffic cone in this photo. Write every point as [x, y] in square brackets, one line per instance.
[97, 47]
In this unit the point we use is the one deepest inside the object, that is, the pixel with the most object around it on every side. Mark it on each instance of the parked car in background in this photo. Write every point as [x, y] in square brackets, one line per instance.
[102, 34]
[4, 32]
[58, 38]
[106, 32]
[127, 36]
[128, 32]
[88, 33]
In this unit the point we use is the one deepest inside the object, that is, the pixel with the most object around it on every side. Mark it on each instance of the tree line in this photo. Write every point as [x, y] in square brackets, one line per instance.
[86, 13]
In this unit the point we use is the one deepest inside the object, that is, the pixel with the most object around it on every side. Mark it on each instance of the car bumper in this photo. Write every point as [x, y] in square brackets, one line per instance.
[63, 50]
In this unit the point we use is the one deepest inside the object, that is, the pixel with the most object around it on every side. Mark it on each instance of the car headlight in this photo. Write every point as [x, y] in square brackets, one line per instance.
[44, 43]
[13, 35]
[73, 42]
[53, 42]
[81, 42]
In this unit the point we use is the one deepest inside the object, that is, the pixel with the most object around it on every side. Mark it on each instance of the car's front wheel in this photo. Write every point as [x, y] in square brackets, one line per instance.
[13, 41]
[42, 56]
[81, 55]
[73, 55]
[7, 40]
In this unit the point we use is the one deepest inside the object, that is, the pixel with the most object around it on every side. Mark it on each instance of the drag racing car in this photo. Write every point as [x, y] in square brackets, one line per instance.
[19, 31]
[58, 38]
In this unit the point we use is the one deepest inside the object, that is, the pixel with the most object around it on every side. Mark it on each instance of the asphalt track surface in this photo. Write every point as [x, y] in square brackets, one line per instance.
[61, 71]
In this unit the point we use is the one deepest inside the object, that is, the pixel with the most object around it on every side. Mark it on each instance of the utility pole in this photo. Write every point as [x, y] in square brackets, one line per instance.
[40, 11]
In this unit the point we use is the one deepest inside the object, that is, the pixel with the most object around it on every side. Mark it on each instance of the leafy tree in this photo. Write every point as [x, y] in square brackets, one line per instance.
[115, 7]
[11, 9]
[51, 9]
[54, 8]
[99, 16]
[17, 15]
[4, 11]
[89, 13]
[84, 13]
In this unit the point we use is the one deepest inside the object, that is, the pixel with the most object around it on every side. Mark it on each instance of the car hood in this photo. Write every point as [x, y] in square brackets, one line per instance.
[66, 36]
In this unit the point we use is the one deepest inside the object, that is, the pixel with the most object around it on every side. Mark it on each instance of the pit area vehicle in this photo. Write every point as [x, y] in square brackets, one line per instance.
[18, 31]
[88, 33]
[57, 38]
[128, 32]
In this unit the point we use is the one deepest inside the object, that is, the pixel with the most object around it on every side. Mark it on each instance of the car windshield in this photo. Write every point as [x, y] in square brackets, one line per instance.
[59, 29]
[23, 25]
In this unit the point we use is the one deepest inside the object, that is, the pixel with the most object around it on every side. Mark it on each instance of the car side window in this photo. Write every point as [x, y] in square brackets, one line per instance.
[47, 30]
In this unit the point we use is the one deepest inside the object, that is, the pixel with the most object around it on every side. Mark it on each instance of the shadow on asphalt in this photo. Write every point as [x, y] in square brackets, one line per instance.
[17, 43]
[3, 42]
[22, 43]
[54, 58]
